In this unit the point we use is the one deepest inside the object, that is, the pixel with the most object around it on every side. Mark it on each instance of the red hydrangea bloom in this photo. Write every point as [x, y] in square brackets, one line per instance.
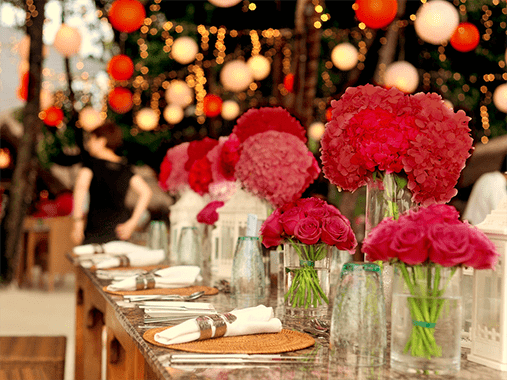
[209, 214]
[258, 120]
[276, 166]
[200, 176]
[165, 172]
[224, 157]
[177, 179]
[198, 149]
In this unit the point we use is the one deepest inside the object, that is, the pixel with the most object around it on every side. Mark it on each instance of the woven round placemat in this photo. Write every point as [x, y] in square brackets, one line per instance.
[208, 291]
[272, 343]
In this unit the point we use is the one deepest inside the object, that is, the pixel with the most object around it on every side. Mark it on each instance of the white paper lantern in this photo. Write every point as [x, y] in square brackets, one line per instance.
[179, 93]
[230, 110]
[316, 130]
[23, 48]
[89, 118]
[236, 76]
[500, 97]
[147, 119]
[46, 99]
[184, 50]
[173, 114]
[436, 21]
[345, 56]
[224, 3]
[67, 40]
[402, 75]
[260, 66]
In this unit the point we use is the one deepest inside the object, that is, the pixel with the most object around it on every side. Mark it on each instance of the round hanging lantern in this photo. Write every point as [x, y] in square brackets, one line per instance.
[46, 99]
[89, 118]
[67, 40]
[23, 48]
[5, 158]
[329, 114]
[402, 75]
[212, 105]
[52, 116]
[23, 86]
[236, 76]
[147, 119]
[173, 114]
[120, 67]
[259, 66]
[500, 97]
[179, 93]
[126, 15]
[436, 21]
[224, 3]
[184, 50]
[288, 82]
[345, 56]
[230, 110]
[316, 130]
[120, 100]
[376, 14]
[466, 37]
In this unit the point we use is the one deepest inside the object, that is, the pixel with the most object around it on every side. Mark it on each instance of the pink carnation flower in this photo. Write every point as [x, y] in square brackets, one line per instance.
[209, 215]
[178, 177]
[276, 166]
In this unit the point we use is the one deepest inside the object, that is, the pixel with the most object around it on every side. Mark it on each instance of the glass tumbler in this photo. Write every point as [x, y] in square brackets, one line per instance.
[158, 237]
[188, 247]
[358, 323]
[248, 280]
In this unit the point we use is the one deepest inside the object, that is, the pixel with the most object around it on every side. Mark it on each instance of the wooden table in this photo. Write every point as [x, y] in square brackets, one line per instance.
[130, 357]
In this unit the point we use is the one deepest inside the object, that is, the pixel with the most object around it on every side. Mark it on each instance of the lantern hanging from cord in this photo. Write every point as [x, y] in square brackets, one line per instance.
[345, 56]
[89, 118]
[52, 116]
[436, 21]
[126, 15]
[288, 82]
[236, 76]
[500, 98]
[225, 3]
[212, 105]
[173, 114]
[179, 93]
[22, 91]
[259, 66]
[230, 110]
[184, 50]
[120, 67]
[120, 100]
[376, 14]
[67, 40]
[316, 130]
[402, 75]
[466, 37]
[147, 119]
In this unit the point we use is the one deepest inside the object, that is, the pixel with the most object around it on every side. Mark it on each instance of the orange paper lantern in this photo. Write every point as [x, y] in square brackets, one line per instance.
[466, 37]
[127, 15]
[329, 114]
[288, 82]
[52, 116]
[120, 100]
[212, 105]
[120, 67]
[23, 86]
[376, 14]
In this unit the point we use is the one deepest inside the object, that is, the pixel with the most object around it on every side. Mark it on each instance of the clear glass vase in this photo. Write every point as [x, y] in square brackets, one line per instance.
[426, 319]
[306, 280]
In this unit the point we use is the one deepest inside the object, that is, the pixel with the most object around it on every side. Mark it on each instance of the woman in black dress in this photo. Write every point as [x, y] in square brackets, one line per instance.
[106, 177]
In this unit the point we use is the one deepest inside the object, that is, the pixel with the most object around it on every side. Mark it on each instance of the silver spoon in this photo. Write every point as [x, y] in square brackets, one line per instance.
[168, 297]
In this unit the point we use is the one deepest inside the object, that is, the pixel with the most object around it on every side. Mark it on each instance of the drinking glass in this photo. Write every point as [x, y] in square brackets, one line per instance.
[158, 237]
[358, 324]
[248, 280]
[188, 247]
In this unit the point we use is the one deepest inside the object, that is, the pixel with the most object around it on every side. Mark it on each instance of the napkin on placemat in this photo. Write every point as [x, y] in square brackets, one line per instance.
[133, 259]
[172, 277]
[116, 247]
[252, 320]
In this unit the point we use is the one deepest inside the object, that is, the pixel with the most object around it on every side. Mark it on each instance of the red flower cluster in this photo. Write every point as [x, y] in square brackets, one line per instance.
[200, 176]
[173, 177]
[377, 129]
[310, 221]
[209, 214]
[432, 234]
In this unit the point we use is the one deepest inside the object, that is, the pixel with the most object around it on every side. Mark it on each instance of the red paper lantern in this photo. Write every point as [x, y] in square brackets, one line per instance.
[376, 13]
[127, 15]
[212, 105]
[466, 37]
[120, 100]
[329, 114]
[52, 116]
[120, 67]
[288, 82]
[23, 86]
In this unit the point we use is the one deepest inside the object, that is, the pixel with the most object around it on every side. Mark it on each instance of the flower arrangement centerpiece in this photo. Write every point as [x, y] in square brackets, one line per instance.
[309, 227]
[428, 247]
[415, 141]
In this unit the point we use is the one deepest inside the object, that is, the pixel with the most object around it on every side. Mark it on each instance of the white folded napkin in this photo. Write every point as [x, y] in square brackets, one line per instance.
[117, 247]
[136, 259]
[252, 320]
[172, 277]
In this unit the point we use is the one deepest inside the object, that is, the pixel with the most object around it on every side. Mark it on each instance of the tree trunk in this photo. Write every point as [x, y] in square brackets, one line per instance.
[25, 172]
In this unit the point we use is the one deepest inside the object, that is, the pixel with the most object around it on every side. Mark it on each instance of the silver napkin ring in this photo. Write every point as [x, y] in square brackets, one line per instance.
[145, 281]
[220, 325]
[124, 261]
[97, 248]
[204, 324]
[229, 317]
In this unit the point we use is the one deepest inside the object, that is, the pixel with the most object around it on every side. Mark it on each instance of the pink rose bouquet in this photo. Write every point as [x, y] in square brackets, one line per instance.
[310, 225]
[173, 176]
[420, 243]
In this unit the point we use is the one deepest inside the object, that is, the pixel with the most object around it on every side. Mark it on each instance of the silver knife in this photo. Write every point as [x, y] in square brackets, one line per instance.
[232, 358]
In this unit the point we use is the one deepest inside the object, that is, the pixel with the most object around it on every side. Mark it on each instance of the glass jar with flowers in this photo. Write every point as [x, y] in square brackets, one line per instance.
[428, 249]
[309, 228]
